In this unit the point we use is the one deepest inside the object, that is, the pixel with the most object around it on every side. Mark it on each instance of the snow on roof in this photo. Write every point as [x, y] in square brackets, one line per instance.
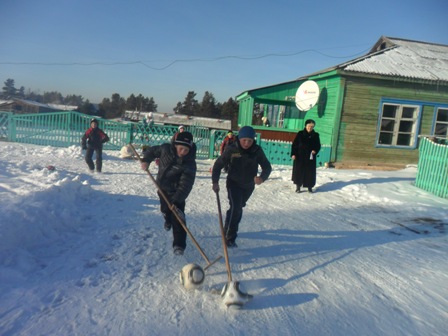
[62, 107]
[404, 58]
[182, 119]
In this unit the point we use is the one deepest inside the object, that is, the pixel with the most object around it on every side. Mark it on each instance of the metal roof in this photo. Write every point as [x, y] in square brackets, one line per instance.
[403, 58]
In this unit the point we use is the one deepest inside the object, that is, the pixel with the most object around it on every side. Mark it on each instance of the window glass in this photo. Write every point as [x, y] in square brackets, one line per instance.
[441, 126]
[385, 138]
[406, 126]
[404, 140]
[408, 112]
[387, 125]
[389, 111]
[442, 115]
[441, 129]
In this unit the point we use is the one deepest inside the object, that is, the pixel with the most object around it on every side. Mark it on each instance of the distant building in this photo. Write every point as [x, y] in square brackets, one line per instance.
[24, 106]
[179, 119]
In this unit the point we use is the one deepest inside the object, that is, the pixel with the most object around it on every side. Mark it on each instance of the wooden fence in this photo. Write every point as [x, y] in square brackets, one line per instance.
[432, 174]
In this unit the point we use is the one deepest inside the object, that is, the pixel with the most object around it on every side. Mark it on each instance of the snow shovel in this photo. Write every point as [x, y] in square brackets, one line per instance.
[231, 293]
[178, 214]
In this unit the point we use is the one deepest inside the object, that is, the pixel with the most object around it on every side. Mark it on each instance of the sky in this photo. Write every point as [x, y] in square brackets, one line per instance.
[164, 49]
[86, 254]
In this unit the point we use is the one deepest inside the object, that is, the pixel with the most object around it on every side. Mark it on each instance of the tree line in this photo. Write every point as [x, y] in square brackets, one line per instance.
[116, 105]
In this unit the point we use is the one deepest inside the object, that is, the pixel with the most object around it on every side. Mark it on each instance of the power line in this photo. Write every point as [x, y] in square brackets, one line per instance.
[193, 60]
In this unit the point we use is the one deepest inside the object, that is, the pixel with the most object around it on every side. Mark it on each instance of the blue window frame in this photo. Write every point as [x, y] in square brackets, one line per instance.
[398, 124]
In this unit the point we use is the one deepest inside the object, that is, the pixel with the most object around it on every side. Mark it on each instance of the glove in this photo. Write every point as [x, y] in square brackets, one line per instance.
[179, 212]
[215, 187]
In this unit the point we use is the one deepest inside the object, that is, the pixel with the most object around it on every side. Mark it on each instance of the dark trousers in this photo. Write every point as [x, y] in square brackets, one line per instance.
[99, 158]
[237, 200]
[179, 234]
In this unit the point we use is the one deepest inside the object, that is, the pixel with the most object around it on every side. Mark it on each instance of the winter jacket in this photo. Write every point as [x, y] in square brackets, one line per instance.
[243, 165]
[94, 138]
[304, 143]
[226, 142]
[176, 175]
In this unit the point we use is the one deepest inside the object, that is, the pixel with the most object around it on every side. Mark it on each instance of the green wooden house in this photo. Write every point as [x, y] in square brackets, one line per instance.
[370, 110]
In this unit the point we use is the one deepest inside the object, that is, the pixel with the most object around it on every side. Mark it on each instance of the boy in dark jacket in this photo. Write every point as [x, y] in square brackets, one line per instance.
[92, 141]
[243, 158]
[176, 175]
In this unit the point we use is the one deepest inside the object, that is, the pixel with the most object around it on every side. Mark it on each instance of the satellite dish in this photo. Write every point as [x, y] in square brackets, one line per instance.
[307, 95]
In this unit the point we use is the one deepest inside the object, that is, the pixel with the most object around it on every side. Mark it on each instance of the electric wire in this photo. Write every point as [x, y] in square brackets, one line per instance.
[145, 63]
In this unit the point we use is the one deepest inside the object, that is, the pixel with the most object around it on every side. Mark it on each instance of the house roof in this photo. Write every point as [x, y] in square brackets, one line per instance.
[403, 58]
[182, 119]
[56, 107]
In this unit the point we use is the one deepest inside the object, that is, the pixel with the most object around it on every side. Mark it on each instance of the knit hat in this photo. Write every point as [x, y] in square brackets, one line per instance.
[310, 121]
[184, 139]
[246, 132]
[181, 126]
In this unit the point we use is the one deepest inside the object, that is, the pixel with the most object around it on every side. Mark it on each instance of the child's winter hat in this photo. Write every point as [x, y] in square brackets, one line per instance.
[246, 132]
[310, 121]
[184, 139]
[181, 127]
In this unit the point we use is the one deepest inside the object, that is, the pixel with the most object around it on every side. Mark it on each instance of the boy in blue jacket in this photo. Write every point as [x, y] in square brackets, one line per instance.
[242, 159]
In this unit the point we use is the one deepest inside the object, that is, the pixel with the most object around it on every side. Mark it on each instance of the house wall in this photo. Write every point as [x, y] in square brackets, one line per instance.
[360, 112]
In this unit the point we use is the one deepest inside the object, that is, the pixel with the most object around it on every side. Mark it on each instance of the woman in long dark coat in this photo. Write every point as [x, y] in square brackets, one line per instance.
[304, 149]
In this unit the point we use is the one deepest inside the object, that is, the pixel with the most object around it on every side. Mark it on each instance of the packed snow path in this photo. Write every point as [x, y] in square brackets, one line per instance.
[85, 254]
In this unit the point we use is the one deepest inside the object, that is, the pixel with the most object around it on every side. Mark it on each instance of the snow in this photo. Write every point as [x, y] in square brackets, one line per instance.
[86, 254]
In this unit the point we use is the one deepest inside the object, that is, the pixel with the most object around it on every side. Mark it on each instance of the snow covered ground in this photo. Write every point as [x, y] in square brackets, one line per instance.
[86, 254]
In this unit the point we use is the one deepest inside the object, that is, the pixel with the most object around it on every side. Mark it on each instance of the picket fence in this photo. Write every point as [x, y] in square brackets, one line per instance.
[432, 174]
[64, 129]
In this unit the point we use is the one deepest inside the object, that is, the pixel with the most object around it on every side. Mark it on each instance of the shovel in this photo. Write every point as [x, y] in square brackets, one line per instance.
[178, 214]
[231, 293]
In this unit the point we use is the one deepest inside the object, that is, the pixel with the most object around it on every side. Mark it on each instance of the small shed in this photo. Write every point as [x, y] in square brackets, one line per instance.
[370, 110]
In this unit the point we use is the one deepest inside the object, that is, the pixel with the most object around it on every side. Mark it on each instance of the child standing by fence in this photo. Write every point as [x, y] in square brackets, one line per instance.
[92, 141]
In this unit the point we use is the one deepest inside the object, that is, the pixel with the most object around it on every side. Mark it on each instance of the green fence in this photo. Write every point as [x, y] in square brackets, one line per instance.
[64, 129]
[279, 152]
[432, 174]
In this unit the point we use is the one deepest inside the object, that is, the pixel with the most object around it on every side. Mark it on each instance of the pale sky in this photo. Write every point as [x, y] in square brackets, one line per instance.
[163, 49]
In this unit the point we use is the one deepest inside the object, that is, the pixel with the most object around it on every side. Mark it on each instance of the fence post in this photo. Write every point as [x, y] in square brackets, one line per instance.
[211, 147]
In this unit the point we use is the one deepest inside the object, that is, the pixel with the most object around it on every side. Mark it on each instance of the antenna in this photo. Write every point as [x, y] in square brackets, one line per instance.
[307, 95]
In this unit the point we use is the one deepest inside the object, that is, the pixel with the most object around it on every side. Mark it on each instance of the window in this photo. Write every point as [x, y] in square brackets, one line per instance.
[398, 125]
[441, 125]
[269, 115]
